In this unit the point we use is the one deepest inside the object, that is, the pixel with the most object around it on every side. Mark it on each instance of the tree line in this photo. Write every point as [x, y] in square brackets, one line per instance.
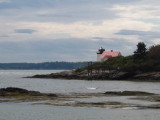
[152, 53]
[42, 66]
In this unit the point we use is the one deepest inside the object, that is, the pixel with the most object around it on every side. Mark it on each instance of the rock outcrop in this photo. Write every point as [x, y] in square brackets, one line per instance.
[112, 75]
[13, 91]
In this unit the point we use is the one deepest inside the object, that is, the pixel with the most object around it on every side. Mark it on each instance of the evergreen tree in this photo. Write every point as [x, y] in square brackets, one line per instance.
[140, 53]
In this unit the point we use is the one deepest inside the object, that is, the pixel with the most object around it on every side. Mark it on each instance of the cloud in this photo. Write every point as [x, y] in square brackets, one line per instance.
[140, 33]
[56, 3]
[143, 34]
[156, 41]
[142, 11]
[84, 29]
[59, 10]
[149, 37]
[27, 31]
[4, 36]
[3, 1]
[44, 30]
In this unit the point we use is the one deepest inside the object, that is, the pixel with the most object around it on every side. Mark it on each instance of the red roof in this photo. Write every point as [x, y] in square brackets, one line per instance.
[110, 54]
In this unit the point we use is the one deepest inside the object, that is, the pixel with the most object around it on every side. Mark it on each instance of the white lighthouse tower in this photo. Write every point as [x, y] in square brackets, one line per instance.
[99, 53]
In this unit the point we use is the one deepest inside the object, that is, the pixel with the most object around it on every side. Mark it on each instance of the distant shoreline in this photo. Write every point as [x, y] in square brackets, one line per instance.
[42, 66]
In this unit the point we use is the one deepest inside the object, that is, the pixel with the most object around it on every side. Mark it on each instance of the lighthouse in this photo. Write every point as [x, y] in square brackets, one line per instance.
[103, 55]
[99, 53]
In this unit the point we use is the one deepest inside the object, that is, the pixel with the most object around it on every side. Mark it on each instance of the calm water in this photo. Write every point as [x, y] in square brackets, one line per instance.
[26, 111]
[14, 78]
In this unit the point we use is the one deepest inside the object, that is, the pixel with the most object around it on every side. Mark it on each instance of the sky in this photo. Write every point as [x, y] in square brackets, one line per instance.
[73, 30]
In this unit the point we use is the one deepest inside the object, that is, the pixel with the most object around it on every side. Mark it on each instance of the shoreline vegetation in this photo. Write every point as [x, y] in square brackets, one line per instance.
[143, 65]
[19, 95]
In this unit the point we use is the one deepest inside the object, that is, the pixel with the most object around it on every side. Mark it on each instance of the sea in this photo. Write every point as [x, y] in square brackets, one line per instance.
[28, 111]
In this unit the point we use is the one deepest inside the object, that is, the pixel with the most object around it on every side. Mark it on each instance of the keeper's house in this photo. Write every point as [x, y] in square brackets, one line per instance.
[103, 55]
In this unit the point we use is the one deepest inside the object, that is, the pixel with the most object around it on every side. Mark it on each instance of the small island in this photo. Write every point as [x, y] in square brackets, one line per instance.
[143, 65]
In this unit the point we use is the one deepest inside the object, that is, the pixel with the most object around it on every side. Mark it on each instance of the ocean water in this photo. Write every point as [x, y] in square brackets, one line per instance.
[39, 112]
[14, 78]
[26, 111]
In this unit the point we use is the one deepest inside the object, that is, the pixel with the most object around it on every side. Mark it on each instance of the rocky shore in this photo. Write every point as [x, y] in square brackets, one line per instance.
[19, 95]
[107, 75]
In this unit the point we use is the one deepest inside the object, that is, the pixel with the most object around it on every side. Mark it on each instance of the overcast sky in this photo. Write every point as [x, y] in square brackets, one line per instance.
[73, 30]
